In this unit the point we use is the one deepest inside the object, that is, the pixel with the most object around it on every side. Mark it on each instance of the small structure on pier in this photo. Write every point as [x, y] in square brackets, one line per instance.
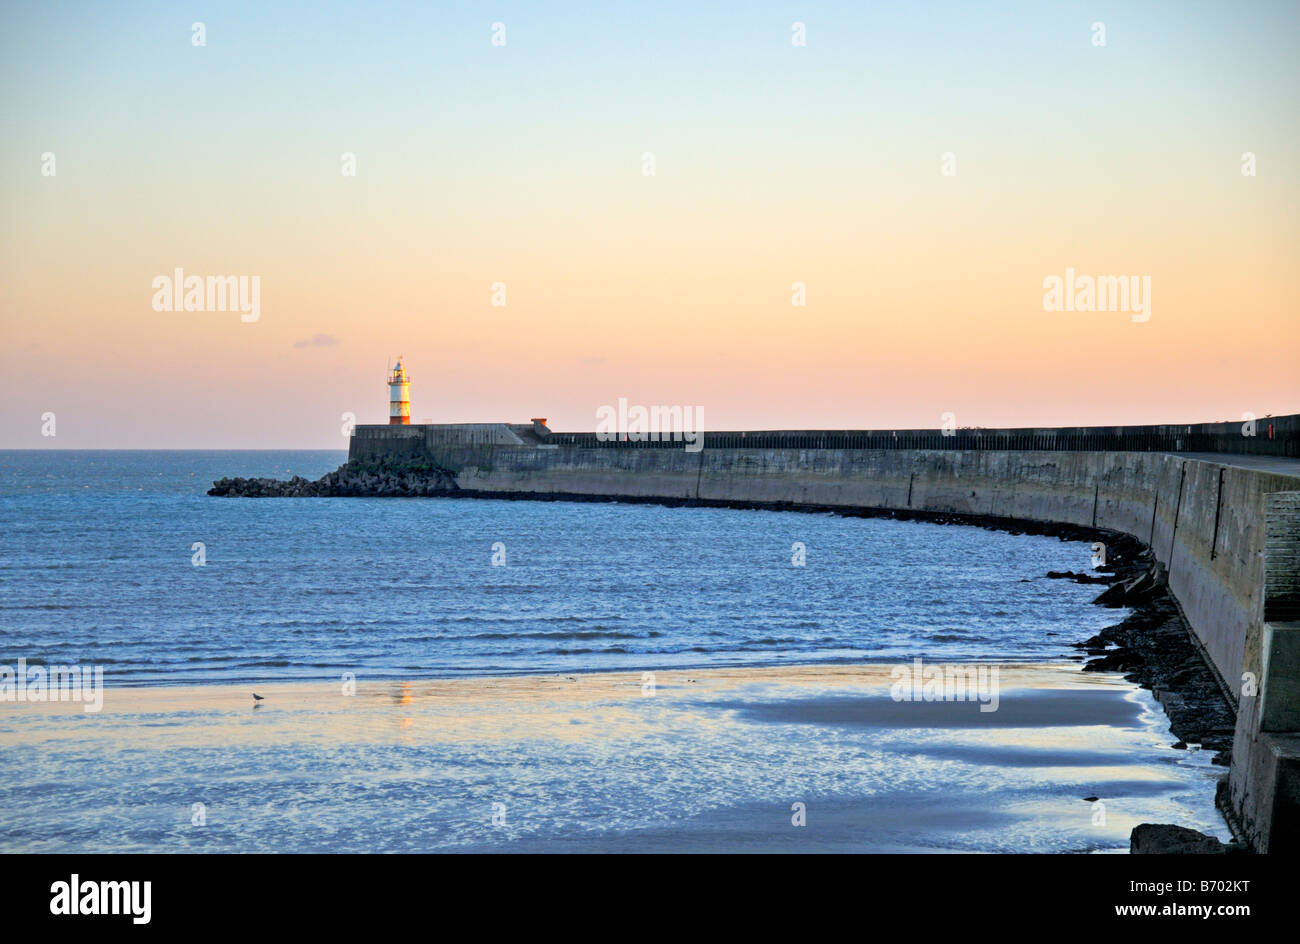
[399, 397]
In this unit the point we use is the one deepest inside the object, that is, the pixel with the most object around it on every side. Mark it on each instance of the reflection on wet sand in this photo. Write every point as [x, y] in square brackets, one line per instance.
[712, 759]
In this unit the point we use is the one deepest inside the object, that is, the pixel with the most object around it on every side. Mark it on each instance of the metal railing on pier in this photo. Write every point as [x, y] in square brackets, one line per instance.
[1270, 436]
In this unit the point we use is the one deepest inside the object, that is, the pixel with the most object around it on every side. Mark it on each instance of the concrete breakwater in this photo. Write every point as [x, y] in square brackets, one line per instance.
[1225, 527]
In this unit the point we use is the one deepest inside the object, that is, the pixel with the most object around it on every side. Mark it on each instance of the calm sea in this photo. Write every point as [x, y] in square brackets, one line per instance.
[98, 563]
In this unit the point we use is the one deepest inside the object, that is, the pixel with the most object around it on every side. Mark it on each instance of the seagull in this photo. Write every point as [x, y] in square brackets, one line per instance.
[256, 697]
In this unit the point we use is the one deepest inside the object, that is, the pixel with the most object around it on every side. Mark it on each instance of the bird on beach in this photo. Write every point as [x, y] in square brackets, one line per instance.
[257, 697]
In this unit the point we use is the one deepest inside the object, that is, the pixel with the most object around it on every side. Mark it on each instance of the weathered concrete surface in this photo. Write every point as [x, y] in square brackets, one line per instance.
[1205, 517]
[391, 442]
[1264, 785]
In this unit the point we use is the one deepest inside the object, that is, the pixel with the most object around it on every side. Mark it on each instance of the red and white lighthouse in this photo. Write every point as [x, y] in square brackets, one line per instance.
[399, 397]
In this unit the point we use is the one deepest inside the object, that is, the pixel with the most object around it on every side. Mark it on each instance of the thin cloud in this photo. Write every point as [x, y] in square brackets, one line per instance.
[317, 340]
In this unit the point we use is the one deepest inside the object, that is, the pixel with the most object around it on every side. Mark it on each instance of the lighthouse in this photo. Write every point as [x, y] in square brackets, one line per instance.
[399, 397]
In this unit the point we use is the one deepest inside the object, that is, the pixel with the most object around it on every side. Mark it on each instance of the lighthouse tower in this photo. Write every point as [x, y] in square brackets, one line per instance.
[399, 397]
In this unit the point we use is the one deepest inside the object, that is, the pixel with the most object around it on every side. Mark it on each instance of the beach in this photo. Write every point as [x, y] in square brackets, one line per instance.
[794, 758]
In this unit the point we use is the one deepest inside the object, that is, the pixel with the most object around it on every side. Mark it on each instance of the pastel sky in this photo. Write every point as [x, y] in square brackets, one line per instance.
[523, 164]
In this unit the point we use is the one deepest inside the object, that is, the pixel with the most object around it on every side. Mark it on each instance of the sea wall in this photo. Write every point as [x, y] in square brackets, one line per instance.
[1225, 527]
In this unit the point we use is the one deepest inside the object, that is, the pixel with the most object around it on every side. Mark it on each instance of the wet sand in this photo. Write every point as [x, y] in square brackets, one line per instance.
[712, 760]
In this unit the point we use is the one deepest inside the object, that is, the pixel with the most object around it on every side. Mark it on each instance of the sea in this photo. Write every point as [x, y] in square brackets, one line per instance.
[123, 560]
[120, 560]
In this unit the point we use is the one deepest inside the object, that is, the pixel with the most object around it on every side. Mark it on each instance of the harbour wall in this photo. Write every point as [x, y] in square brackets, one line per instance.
[1226, 529]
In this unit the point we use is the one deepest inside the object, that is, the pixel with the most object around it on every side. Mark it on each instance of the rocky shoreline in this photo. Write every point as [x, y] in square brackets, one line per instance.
[1154, 648]
[350, 480]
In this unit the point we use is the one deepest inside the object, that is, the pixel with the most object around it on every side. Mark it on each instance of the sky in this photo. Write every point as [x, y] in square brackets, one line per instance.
[920, 169]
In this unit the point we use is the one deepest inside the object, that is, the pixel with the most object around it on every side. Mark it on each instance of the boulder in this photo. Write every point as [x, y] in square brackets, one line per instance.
[1162, 839]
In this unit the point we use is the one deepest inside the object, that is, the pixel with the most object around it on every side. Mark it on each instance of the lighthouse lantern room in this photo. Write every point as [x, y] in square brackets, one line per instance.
[399, 397]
